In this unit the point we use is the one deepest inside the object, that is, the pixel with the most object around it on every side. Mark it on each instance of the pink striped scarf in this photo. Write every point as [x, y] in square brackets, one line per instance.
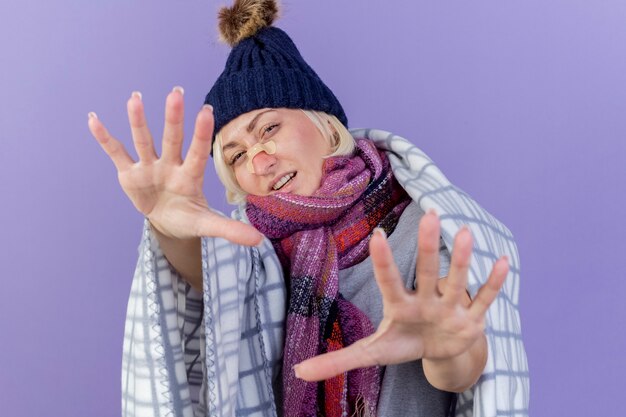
[315, 237]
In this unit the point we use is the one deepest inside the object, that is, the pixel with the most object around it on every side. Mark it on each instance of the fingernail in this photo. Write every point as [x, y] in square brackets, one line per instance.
[432, 211]
[180, 89]
[137, 94]
[208, 106]
[506, 258]
[92, 115]
[380, 231]
[295, 370]
[466, 228]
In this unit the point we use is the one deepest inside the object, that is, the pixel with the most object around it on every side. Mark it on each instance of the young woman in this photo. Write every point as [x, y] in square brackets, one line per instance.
[302, 285]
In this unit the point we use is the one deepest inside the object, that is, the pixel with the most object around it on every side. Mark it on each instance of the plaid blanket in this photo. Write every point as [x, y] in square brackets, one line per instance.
[219, 353]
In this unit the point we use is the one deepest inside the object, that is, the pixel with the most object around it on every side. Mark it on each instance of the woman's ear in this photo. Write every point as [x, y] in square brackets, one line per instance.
[334, 135]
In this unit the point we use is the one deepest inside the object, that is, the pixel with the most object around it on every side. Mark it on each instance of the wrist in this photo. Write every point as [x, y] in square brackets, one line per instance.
[460, 372]
[162, 235]
[183, 255]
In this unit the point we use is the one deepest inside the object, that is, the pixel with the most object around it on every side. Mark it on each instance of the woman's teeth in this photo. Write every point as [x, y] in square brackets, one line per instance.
[284, 180]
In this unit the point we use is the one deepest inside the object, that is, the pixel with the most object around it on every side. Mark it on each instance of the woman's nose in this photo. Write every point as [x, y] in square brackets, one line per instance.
[263, 162]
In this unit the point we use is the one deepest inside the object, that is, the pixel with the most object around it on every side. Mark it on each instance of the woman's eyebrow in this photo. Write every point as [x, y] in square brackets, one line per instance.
[229, 145]
[256, 119]
[249, 129]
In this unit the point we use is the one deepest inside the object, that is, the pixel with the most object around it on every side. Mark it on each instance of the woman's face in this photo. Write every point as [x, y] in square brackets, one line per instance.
[295, 167]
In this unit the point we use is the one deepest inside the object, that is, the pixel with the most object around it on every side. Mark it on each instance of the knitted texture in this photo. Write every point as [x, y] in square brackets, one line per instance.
[314, 237]
[266, 70]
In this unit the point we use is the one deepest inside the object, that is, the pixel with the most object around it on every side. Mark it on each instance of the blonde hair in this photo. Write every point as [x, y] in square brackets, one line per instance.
[340, 140]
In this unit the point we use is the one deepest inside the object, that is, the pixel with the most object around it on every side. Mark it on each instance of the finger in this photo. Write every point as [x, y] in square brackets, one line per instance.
[142, 139]
[385, 269]
[116, 151]
[489, 291]
[427, 267]
[334, 363]
[200, 148]
[459, 266]
[231, 230]
[173, 132]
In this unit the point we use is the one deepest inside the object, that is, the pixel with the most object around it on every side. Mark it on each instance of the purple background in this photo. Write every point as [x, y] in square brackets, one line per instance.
[522, 104]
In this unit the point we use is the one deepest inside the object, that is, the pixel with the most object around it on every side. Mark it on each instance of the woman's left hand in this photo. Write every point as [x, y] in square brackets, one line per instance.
[435, 322]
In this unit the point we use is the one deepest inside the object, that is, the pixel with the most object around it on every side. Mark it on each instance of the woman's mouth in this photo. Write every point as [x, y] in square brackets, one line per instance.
[283, 181]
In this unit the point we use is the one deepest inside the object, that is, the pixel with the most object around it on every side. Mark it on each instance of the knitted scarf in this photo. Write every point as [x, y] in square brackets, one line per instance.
[315, 237]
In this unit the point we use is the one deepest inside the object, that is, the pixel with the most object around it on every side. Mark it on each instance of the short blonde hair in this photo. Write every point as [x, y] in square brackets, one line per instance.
[340, 140]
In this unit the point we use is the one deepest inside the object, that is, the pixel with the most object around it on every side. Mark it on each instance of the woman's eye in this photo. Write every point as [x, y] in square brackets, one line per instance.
[236, 157]
[269, 128]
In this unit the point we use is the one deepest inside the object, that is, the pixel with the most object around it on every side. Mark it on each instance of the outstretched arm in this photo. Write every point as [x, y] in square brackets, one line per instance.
[168, 189]
[437, 323]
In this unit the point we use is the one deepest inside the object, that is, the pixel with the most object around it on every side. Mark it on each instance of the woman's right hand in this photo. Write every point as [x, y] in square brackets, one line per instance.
[168, 190]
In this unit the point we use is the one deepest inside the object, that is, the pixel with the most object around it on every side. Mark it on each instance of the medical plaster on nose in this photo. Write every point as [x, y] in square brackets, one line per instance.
[268, 147]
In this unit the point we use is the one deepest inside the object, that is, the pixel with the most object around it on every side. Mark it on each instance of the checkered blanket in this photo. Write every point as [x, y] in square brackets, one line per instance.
[218, 353]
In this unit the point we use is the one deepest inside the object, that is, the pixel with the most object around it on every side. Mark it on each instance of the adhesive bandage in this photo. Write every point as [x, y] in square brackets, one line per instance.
[268, 147]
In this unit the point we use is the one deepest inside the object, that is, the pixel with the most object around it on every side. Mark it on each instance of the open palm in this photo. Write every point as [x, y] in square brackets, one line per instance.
[437, 321]
[168, 190]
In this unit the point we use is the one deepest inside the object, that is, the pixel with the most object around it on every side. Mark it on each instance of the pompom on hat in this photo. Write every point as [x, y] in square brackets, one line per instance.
[264, 68]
